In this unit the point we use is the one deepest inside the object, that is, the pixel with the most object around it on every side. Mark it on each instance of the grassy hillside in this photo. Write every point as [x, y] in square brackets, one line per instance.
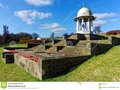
[104, 67]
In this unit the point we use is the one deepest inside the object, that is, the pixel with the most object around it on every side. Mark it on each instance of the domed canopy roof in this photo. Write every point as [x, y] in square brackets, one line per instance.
[84, 12]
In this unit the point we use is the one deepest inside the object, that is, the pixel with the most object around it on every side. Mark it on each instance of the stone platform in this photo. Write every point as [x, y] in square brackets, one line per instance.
[49, 60]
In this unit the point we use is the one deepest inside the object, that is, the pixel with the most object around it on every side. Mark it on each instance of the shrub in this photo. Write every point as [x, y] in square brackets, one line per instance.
[113, 32]
[32, 41]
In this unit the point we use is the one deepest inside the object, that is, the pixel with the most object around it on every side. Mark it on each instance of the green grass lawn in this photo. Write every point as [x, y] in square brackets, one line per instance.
[18, 45]
[12, 72]
[104, 67]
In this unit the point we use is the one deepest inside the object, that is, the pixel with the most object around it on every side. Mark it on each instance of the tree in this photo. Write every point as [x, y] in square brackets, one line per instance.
[14, 37]
[24, 36]
[52, 35]
[5, 34]
[65, 34]
[72, 33]
[97, 29]
[1, 40]
[35, 35]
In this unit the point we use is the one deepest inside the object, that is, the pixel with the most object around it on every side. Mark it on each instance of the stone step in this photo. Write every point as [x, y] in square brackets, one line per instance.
[70, 49]
[39, 48]
[82, 43]
[73, 50]
[51, 49]
[74, 36]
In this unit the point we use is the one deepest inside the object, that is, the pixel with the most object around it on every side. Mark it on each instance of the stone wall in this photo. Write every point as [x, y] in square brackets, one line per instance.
[13, 48]
[30, 45]
[59, 48]
[8, 57]
[85, 37]
[47, 46]
[97, 48]
[114, 40]
[48, 41]
[66, 36]
[53, 67]
[28, 65]
[81, 37]
[48, 67]
[94, 37]
[55, 41]
[71, 42]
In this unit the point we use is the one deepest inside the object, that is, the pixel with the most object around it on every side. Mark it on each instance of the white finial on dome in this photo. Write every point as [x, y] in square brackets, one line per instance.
[84, 5]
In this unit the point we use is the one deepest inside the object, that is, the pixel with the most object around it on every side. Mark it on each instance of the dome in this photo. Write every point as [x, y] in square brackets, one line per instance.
[39, 38]
[84, 12]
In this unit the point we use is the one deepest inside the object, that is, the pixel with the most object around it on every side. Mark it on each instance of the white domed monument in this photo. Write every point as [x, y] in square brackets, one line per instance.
[84, 21]
[39, 38]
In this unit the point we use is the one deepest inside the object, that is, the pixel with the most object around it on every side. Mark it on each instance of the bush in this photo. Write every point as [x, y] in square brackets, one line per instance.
[32, 41]
[113, 32]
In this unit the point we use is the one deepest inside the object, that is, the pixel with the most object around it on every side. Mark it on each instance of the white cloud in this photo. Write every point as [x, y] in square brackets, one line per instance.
[29, 16]
[58, 29]
[114, 20]
[102, 18]
[54, 27]
[104, 15]
[39, 2]
[1, 5]
[99, 22]
[50, 26]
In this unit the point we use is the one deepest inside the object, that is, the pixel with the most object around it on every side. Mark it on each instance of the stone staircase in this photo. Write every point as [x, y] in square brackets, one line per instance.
[61, 48]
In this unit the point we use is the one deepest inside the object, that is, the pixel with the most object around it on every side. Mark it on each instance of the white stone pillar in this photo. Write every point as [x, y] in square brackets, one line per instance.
[77, 26]
[85, 26]
[89, 25]
[92, 26]
[82, 24]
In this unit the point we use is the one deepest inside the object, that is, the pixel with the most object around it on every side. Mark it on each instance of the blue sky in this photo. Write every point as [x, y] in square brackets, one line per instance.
[47, 16]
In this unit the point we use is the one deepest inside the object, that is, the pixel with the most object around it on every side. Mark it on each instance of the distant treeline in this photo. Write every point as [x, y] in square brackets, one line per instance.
[7, 37]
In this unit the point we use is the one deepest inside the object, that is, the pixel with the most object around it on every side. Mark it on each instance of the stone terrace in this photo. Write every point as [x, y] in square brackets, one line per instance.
[46, 60]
